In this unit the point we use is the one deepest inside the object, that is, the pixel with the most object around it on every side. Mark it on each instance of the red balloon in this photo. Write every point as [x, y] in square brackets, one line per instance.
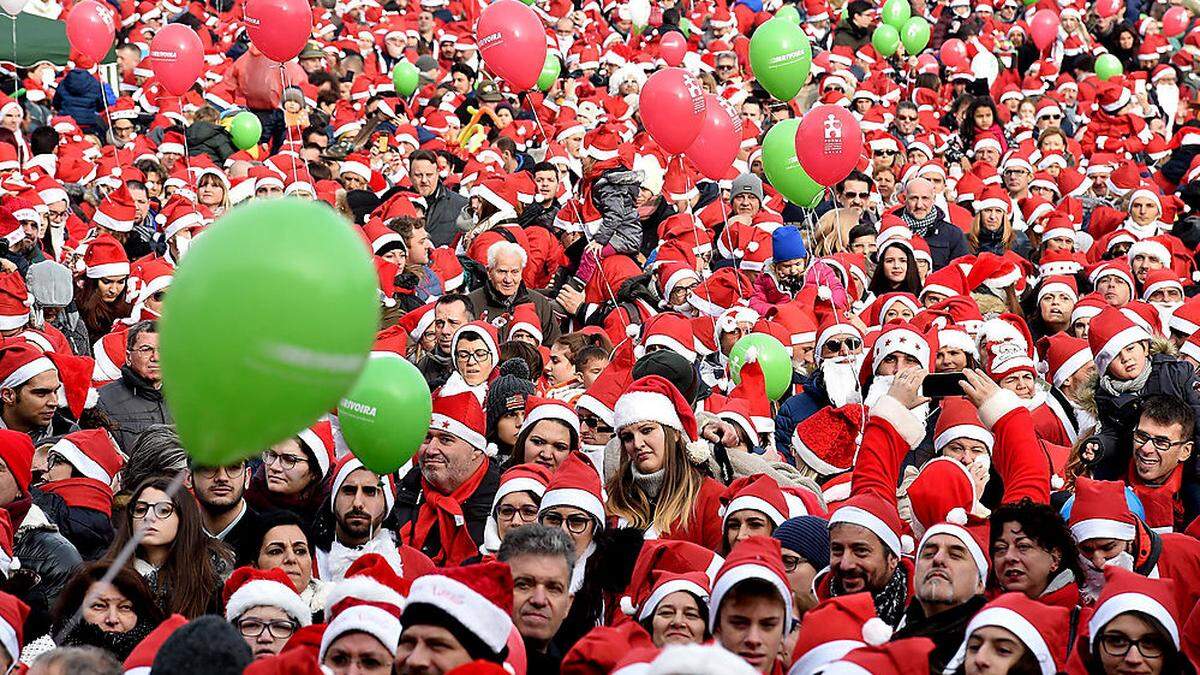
[719, 140]
[177, 57]
[672, 47]
[279, 28]
[1174, 21]
[829, 143]
[954, 54]
[512, 42]
[672, 108]
[1044, 28]
[1107, 8]
[926, 62]
[90, 29]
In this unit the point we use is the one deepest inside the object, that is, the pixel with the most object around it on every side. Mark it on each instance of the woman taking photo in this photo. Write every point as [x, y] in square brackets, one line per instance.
[897, 270]
[100, 295]
[113, 616]
[283, 543]
[181, 564]
[293, 473]
[659, 485]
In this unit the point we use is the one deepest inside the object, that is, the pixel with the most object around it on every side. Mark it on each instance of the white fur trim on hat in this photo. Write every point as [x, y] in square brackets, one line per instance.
[961, 534]
[1057, 287]
[27, 372]
[263, 592]
[671, 344]
[104, 220]
[117, 269]
[82, 463]
[1118, 342]
[8, 639]
[1131, 602]
[645, 406]
[368, 619]
[389, 497]
[318, 449]
[593, 405]
[577, 498]
[863, 518]
[557, 411]
[672, 586]
[735, 575]
[752, 503]
[1150, 248]
[1071, 366]
[970, 431]
[457, 428]
[957, 339]
[1014, 622]
[481, 616]
[822, 655]
[1103, 528]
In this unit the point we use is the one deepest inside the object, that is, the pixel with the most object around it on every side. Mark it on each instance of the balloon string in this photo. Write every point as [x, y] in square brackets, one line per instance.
[16, 82]
[536, 119]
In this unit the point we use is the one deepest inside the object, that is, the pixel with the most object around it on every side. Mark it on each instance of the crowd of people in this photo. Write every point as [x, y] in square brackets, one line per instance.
[983, 462]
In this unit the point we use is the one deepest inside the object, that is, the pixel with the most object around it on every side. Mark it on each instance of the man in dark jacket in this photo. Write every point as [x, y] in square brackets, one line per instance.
[223, 509]
[442, 205]
[946, 242]
[451, 312]
[135, 400]
[504, 290]
[81, 96]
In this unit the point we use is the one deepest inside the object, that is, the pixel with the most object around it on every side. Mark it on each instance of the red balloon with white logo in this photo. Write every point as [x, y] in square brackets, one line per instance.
[1174, 21]
[672, 47]
[829, 144]
[672, 106]
[90, 29]
[1108, 8]
[279, 28]
[1043, 28]
[720, 137]
[512, 43]
[177, 58]
[954, 54]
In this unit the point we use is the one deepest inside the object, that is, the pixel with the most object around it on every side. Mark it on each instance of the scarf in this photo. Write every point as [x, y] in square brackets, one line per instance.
[120, 645]
[342, 556]
[921, 226]
[1163, 508]
[86, 493]
[445, 513]
[1117, 387]
[890, 601]
[650, 483]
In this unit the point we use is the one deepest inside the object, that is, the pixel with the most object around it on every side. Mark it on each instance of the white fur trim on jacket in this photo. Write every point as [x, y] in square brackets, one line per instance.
[910, 428]
[997, 406]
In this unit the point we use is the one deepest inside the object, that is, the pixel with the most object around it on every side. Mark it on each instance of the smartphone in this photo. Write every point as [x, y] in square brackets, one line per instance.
[942, 385]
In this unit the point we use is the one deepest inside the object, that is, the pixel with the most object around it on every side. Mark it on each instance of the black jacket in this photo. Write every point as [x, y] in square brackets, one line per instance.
[206, 138]
[441, 214]
[489, 305]
[243, 538]
[476, 508]
[89, 531]
[946, 242]
[46, 553]
[135, 404]
[947, 629]
[434, 371]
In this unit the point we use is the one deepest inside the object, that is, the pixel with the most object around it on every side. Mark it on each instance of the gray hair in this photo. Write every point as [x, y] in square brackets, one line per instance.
[535, 539]
[502, 247]
[80, 661]
[137, 329]
[156, 451]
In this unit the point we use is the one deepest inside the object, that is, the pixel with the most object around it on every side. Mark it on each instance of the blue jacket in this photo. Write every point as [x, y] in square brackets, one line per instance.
[798, 408]
[80, 96]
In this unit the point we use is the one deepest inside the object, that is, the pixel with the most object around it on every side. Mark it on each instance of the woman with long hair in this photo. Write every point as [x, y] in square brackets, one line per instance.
[113, 616]
[213, 192]
[294, 472]
[181, 564]
[982, 120]
[896, 271]
[100, 292]
[991, 229]
[660, 484]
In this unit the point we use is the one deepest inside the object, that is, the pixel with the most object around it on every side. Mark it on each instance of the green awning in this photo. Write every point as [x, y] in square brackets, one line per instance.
[38, 39]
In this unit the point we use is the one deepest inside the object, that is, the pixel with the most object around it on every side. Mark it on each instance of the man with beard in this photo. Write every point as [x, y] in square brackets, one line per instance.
[223, 509]
[444, 506]
[838, 350]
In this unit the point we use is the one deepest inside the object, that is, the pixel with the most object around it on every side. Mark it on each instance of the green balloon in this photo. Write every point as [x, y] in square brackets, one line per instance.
[550, 71]
[1108, 66]
[780, 56]
[685, 27]
[385, 416]
[915, 35]
[896, 13]
[246, 130]
[885, 39]
[406, 77]
[772, 356]
[790, 13]
[256, 345]
[783, 170]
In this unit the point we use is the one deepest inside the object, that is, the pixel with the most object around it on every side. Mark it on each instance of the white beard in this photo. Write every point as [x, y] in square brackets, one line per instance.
[685, 309]
[879, 388]
[841, 382]
[1165, 311]
[1093, 581]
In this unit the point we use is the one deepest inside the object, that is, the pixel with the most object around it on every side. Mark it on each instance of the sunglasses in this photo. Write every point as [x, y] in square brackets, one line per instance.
[856, 195]
[905, 118]
[885, 153]
[834, 346]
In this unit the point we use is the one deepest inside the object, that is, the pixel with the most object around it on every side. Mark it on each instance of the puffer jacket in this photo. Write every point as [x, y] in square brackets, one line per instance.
[615, 195]
[80, 96]
[89, 531]
[206, 138]
[135, 404]
[45, 552]
[798, 408]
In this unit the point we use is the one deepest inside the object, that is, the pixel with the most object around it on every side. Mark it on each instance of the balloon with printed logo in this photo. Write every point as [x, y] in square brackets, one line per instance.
[672, 47]
[671, 105]
[13, 7]
[1174, 21]
[781, 56]
[774, 359]
[177, 58]
[405, 77]
[1108, 66]
[1108, 8]
[1043, 28]
[306, 320]
[885, 40]
[719, 139]
[279, 28]
[783, 169]
[90, 29]
[954, 54]
[896, 13]
[386, 415]
[246, 130]
[829, 143]
[915, 35]
[512, 42]
[550, 72]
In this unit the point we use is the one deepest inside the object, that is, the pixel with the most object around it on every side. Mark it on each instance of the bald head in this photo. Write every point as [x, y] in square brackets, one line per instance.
[918, 197]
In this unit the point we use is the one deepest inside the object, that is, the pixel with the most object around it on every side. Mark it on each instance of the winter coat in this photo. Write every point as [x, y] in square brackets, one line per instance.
[476, 509]
[798, 408]
[434, 371]
[849, 35]
[947, 629]
[767, 293]
[89, 531]
[79, 95]
[946, 242]
[206, 138]
[615, 195]
[43, 550]
[441, 215]
[490, 306]
[134, 404]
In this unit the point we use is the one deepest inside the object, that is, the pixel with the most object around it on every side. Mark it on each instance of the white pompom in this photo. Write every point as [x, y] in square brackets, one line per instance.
[752, 246]
[627, 605]
[738, 253]
[632, 330]
[491, 450]
[116, 172]
[1056, 482]
[824, 293]
[957, 516]
[907, 545]
[876, 631]
[1196, 276]
[751, 355]
[699, 452]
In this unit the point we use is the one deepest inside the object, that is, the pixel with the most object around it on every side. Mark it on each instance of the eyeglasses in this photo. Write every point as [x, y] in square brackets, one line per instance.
[593, 422]
[145, 350]
[122, 128]
[1118, 644]
[253, 628]
[288, 462]
[791, 562]
[162, 510]
[905, 118]
[1160, 443]
[576, 524]
[477, 356]
[508, 512]
[211, 472]
[835, 346]
[57, 215]
[856, 195]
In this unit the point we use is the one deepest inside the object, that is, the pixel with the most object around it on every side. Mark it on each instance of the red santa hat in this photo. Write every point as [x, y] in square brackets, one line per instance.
[909, 656]
[531, 478]
[369, 600]
[1154, 247]
[11, 230]
[347, 465]
[14, 301]
[92, 452]
[13, 613]
[460, 415]
[971, 531]
[141, 658]
[752, 558]
[1109, 332]
[21, 361]
[476, 599]
[116, 211]
[834, 326]
[877, 515]
[1127, 591]
[1008, 358]
[1058, 284]
[827, 440]
[664, 556]
[576, 483]
[105, 257]
[1063, 356]
[833, 628]
[670, 330]
[959, 419]
[250, 587]
[1186, 318]
[726, 288]
[525, 318]
[1162, 279]
[672, 274]
[480, 330]
[538, 409]
[654, 399]
[900, 338]
[606, 390]
[1042, 628]
[319, 440]
[1100, 511]
[948, 281]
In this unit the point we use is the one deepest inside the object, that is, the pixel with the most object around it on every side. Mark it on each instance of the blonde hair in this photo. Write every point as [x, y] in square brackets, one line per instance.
[832, 232]
[977, 227]
[672, 508]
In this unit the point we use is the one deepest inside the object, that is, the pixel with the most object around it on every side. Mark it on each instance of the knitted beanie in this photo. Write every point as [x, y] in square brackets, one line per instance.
[507, 393]
[808, 536]
[208, 639]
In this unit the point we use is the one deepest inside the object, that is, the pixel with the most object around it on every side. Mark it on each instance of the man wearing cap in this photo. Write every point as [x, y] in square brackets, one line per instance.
[135, 399]
[746, 197]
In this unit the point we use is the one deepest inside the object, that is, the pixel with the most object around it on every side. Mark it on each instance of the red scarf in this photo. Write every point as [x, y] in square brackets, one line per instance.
[87, 493]
[445, 512]
[1161, 502]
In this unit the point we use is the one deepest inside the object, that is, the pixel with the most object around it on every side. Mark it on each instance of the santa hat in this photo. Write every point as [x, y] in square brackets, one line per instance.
[1162, 279]
[347, 465]
[1152, 248]
[460, 415]
[576, 483]
[667, 557]
[1058, 284]
[538, 409]
[319, 440]
[116, 212]
[92, 452]
[672, 274]
[1042, 628]
[1109, 332]
[481, 330]
[752, 558]
[957, 337]
[654, 399]
[797, 320]
[105, 257]
[531, 478]
[833, 628]
[878, 516]
[909, 656]
[1008, 358]
[606, 390]
[756, 493]
[524, 317]
[21, 361]
[900, 338]
[831, 327]
[14, 301]
[1064, 355]
[827, 440]
[11, 230]
[141, 658]
[1100, 511]
[1118, 268]
[13, 613]
[959, 419]
[670, 330]
[1127, 591]
[725, 288]
[250, 587]
[972, 532]
[1186, 317]
[369, 600]
[474, 603]
[948, 281]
